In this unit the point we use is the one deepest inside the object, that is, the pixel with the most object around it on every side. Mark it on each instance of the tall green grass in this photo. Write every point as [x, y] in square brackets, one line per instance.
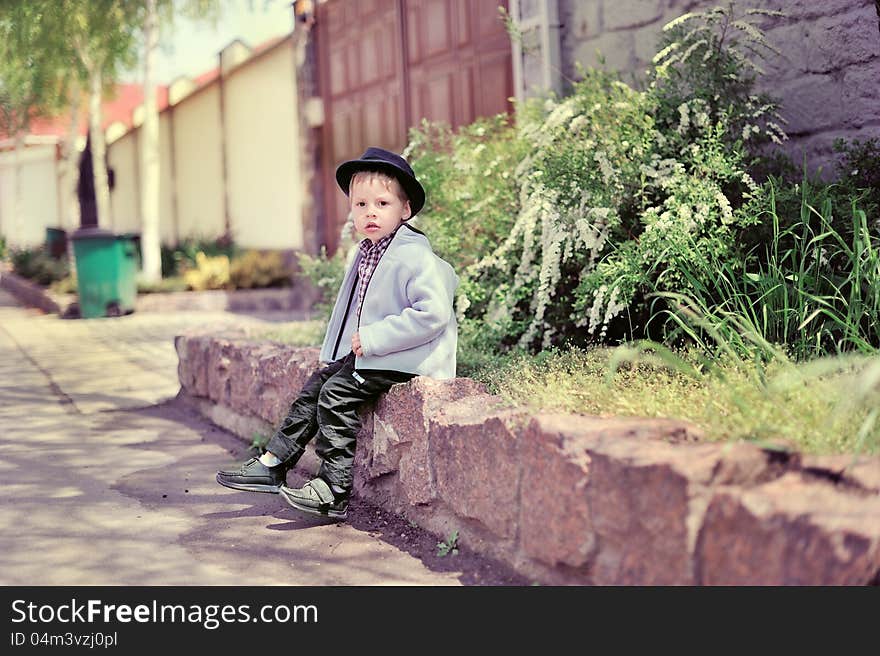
[812, 289]
[827, 406]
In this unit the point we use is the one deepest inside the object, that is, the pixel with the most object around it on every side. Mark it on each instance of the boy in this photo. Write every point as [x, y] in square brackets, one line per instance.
[393, 320]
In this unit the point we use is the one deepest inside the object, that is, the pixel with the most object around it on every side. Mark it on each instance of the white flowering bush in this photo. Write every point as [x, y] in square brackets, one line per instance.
[608, 214]
[706, 70]
[470, 179]
[619, 195]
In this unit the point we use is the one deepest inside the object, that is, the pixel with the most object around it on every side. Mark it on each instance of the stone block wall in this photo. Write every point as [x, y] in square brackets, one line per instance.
[571, 499]
[827, 79]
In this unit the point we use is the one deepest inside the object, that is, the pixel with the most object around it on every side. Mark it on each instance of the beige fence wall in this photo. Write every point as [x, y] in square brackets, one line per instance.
[39, 203]
[122, 157]
[265, 182]
[167, 190]
[199, 164]
[258, 126]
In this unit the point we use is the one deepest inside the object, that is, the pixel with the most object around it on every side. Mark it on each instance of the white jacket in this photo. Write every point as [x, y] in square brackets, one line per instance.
[407, 321]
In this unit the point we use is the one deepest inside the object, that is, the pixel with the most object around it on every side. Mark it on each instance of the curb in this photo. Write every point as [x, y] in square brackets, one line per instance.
[298, 298]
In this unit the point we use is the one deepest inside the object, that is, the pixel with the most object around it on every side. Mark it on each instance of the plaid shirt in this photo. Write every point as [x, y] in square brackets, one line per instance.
[370, 255]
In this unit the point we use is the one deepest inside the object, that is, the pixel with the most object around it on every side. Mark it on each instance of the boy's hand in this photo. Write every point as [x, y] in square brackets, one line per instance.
[356, 344]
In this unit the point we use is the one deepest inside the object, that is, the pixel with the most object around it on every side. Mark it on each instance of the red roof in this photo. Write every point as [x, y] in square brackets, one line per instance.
[206, 78]
[119, 108]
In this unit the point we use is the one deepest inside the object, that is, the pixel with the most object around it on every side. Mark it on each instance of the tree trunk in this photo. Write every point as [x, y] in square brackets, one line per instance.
[71, 163]
[18, 194]
[99, 150]
[150, 244]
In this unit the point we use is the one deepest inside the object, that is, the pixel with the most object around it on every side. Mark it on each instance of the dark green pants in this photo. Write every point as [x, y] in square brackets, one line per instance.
[327, 406]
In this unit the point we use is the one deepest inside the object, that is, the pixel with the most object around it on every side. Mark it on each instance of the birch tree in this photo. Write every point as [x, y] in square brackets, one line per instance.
[158, 13]
[34, 82]
[103, 36]
[151, 251]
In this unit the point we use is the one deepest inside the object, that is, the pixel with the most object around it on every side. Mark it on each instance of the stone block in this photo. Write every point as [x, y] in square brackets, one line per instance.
[625, 14]
[617, 48]
[582, 19]
[803, 9]
[192, 367]
[646, 44]
[647, 539]
[811, 104]
[238, 359]
[555, 521]
[600, 519]
[280, 373]
[791, 531]
[679, 7]
[741, 463]
[862, 472]
[399, 441]
[473, 452]
[837, 41]
[861, 93]
[793, 60]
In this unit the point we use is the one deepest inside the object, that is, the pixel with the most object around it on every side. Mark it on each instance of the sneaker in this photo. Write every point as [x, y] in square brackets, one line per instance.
[316, 498]
[254, 476]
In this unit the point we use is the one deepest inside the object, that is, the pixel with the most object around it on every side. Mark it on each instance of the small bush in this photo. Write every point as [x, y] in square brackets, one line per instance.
[325, 274]
[177, 259]
[66, 285]
[257, 269]
[858, 173]
[170, 284]
[38, 266]
[471, 185]
[708, 63]
[209, 273]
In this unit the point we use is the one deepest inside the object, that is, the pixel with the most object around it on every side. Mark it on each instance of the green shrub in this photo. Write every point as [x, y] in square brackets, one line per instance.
[808, 288]
[858, 173]
[472, 193]
[209, 273]
[258, 269]
[708, 64]
[609, 211]
[624, 193]
[175, 260]
[38, 266]
[325, 274]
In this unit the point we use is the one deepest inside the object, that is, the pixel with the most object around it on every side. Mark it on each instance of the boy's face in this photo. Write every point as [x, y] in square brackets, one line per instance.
[376, 207]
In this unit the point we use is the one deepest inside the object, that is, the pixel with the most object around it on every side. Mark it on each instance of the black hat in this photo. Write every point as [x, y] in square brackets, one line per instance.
[377, 159]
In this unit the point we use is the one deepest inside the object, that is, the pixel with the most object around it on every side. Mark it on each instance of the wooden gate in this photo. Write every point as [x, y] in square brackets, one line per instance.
[385, 65]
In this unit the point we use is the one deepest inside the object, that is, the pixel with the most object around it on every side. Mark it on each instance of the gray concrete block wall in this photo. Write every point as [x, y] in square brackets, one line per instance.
[827, 79]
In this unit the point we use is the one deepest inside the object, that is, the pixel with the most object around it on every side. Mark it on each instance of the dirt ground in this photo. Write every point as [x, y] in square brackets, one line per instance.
[474, 568]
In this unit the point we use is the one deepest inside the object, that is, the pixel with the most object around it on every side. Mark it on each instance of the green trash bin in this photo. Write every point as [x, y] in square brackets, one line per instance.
[106, 270]
[56, 242]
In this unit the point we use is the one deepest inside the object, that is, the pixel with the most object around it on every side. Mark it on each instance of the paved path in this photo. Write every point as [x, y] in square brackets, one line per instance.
[107, 482]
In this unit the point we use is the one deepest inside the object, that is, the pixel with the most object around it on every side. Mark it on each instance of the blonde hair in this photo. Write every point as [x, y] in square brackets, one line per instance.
[391, 183]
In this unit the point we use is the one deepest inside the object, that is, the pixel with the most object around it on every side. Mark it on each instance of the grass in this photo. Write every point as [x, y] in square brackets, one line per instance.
[448, 546]
[826, 406]
[167, 284]
[297, 333]
[812, 290]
